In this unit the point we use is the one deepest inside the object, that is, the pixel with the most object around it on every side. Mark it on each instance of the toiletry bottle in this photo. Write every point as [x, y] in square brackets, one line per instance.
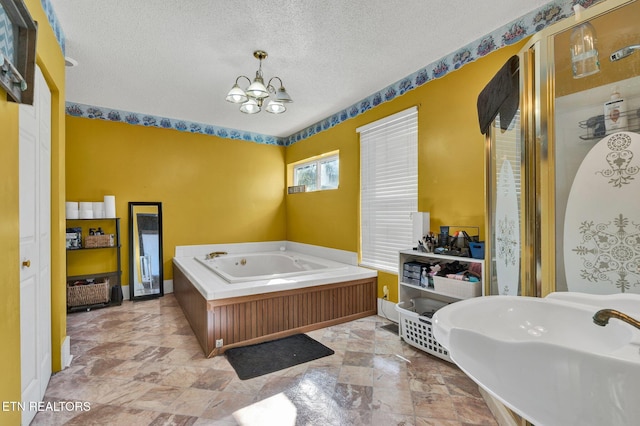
[424, 278]
[615, 118]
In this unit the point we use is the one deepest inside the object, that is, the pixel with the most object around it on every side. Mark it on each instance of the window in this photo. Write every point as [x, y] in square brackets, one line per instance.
[17, 51]
[318, 173]
[388, 188]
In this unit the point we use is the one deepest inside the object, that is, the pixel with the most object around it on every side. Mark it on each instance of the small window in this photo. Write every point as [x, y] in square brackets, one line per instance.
[17, 51]
[318, 173]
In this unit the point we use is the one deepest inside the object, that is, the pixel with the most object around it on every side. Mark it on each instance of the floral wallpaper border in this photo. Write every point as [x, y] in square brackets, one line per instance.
[55, 24]
[508, 34]
[100, 113]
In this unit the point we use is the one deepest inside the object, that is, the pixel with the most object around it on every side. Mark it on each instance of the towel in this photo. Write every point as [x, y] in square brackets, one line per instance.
[500, 96]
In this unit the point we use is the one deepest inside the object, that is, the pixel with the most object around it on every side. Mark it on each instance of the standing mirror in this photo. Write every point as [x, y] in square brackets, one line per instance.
[145, 250]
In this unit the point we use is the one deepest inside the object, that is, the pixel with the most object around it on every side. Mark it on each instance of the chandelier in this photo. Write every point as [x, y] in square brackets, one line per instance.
[253, 97]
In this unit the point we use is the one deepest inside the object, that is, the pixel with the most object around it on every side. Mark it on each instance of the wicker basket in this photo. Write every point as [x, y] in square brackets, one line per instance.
[95, 241]
[88, 294]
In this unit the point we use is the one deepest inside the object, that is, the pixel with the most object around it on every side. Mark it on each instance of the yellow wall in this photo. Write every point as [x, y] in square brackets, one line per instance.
[219, 190]
[212, 190]
[450, 162]
[51, 61]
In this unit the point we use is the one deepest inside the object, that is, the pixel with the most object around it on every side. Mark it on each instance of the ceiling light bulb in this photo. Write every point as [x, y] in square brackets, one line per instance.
[250, 107]
[236, 95]
[257, 89]
[275, 107]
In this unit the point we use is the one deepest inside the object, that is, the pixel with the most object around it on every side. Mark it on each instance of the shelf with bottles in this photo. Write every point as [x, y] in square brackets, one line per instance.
[87, 238]
[596, 129]
[420, 297]
[94, 288]
[92, 242]
[415, 273]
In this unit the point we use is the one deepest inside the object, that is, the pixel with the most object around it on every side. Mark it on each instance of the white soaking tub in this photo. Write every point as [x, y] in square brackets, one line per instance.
[262, 291]
[266, 266]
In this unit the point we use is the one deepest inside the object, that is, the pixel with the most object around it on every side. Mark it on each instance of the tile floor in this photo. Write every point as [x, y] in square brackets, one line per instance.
[140, 364]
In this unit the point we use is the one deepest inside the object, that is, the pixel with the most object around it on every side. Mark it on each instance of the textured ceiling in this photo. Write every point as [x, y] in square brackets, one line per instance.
[178, 59]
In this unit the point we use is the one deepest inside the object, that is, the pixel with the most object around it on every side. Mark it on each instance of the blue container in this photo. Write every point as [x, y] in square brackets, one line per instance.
[477, 250]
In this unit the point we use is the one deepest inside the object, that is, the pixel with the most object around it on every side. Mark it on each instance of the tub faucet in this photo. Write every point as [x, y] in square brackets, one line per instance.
[601, 317]
[215, 254]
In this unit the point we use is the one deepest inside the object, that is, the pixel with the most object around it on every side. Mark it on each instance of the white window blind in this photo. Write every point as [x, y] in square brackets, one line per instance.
[388, 188]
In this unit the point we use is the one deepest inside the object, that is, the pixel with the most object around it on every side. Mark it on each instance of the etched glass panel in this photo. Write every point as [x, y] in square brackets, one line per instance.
[596, 161]
[506, 158]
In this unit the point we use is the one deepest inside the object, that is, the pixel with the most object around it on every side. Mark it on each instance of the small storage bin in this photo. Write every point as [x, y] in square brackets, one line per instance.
[95, 241]
[88, 294]
[477, 250]
[416, 330]
[74, 238]
[457, 288]
[413, 267]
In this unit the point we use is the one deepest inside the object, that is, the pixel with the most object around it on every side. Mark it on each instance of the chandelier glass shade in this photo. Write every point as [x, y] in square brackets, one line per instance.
[251, 106]
[257, 92]
[236, 95]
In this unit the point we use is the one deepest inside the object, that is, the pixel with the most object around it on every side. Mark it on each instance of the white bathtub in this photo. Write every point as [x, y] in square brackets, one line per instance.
[298, 265]
[263, 291]
[265, 266]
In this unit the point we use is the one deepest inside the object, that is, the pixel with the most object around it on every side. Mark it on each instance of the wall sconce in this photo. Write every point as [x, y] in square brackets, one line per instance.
[584, 52]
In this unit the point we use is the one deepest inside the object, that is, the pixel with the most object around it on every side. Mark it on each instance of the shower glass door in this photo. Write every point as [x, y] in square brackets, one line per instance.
[504, 163]
[594, 147]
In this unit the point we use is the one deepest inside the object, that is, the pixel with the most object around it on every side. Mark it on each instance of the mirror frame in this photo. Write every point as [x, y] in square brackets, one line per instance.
[132, 242]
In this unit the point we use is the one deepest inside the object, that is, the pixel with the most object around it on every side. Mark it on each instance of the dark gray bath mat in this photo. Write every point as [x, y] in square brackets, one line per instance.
[263, 358]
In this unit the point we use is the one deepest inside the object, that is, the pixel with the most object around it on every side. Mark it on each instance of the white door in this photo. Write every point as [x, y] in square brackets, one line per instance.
[35, 246]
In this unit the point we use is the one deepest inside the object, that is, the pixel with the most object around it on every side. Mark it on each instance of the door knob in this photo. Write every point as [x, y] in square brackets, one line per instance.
[26, 263]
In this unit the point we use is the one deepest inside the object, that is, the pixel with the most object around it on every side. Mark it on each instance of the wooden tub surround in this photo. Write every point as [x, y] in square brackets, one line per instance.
[244, 320]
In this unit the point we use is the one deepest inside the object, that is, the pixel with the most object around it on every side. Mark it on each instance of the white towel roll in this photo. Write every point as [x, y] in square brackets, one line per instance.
[71, 209]
[98, 210]
[86, 214]
[86, 205]
[110, 206]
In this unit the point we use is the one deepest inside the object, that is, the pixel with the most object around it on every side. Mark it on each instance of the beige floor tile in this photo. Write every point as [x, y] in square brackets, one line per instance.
[140, 364]
[355, 375]
[393, 401]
